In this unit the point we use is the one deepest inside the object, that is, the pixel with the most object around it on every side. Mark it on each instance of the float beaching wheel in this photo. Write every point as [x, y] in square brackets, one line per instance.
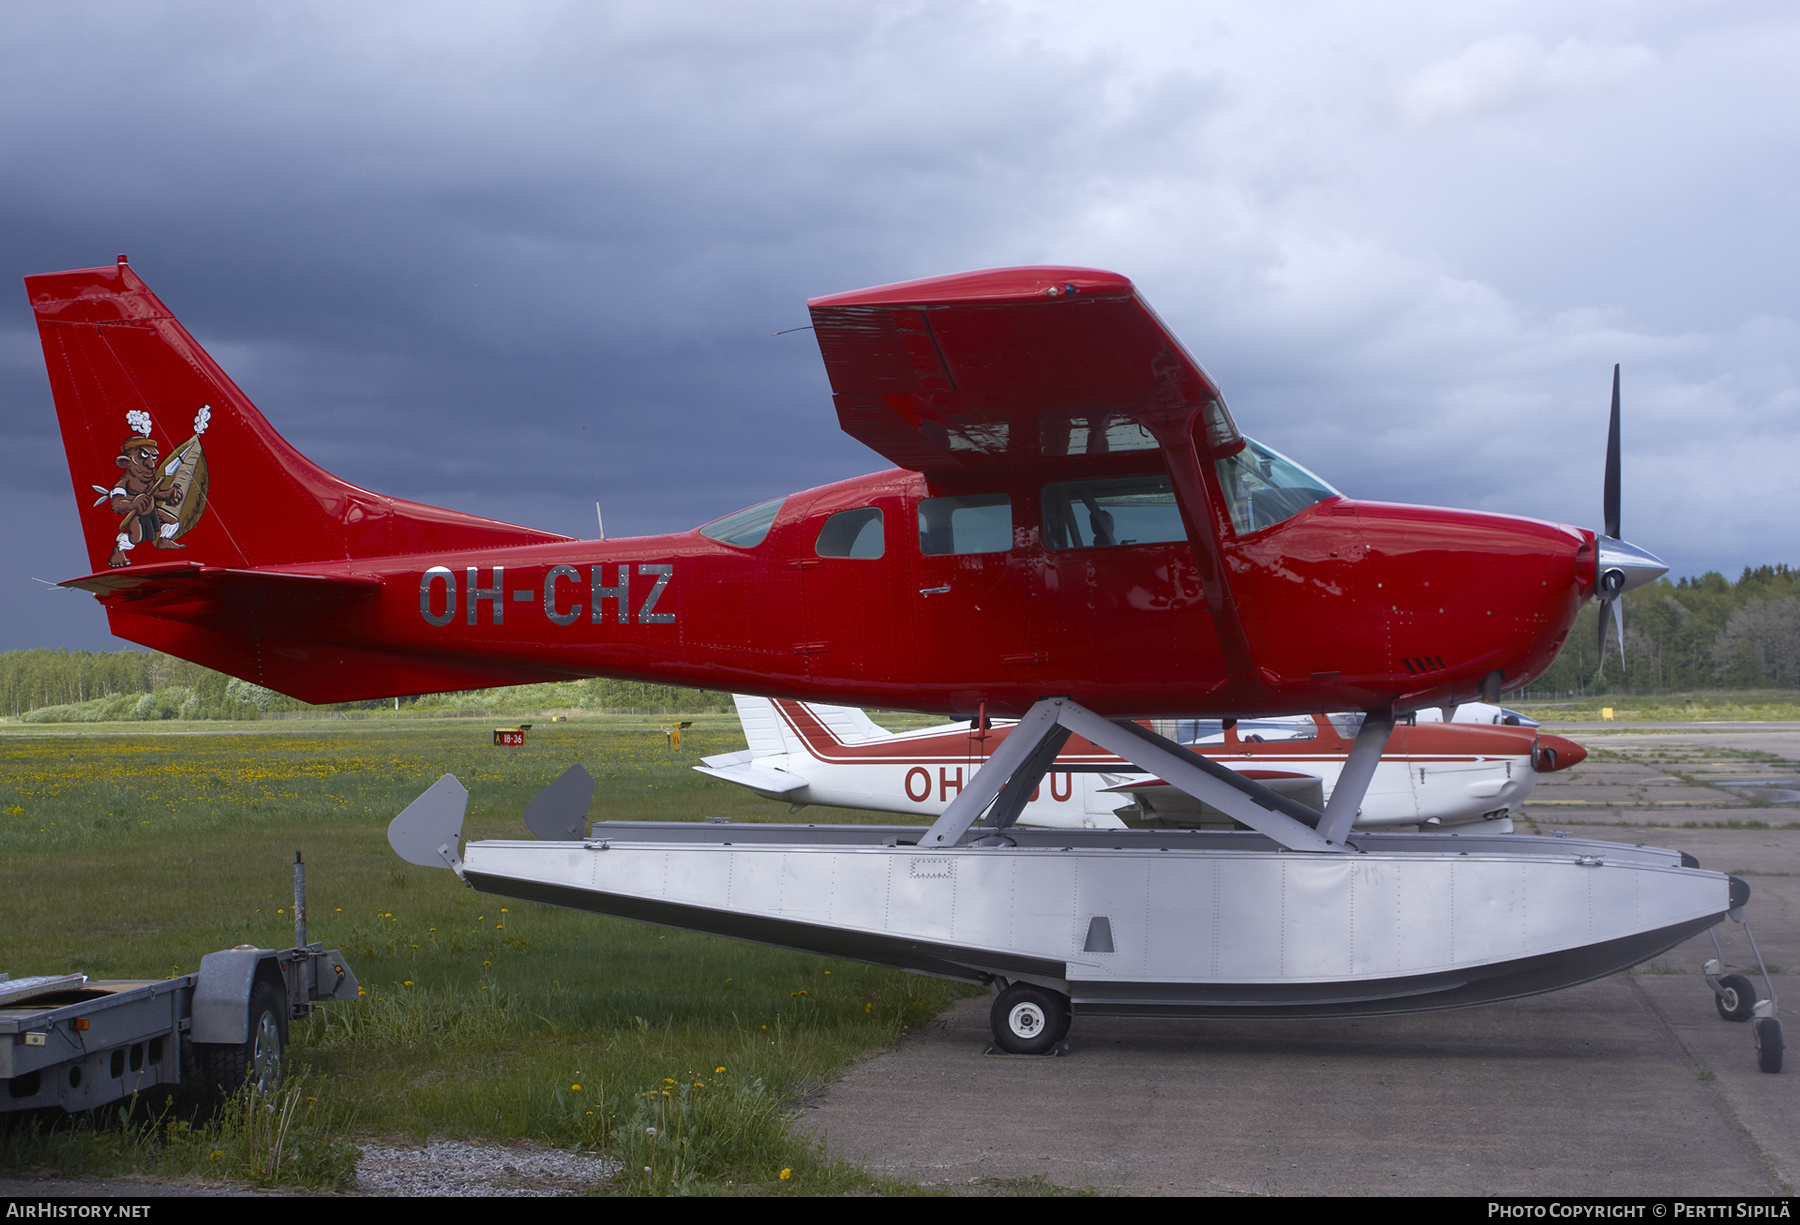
[1029, 1020]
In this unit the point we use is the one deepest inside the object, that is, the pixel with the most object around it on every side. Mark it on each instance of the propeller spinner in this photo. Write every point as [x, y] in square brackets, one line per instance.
[1621, 566]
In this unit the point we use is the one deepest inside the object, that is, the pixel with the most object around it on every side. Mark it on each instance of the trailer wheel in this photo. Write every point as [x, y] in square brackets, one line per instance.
[1029, 1020]
[1738, 1001]
[1767, 1031]
[227, 1066]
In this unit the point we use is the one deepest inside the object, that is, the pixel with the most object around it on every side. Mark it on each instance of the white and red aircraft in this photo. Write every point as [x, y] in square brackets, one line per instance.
[1432, 776]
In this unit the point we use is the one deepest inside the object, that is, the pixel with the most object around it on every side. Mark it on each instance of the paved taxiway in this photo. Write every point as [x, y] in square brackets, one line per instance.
[1632, 1085]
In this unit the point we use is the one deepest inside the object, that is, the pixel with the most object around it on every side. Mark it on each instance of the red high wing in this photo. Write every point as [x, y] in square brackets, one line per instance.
[1011, 367]
[214, 539]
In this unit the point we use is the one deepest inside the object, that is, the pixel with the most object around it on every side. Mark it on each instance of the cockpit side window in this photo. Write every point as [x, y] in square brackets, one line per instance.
[974, 523]
[852, 533]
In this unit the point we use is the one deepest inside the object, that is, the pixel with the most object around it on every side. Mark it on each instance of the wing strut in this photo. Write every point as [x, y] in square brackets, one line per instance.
[1013, 762]
[1353, 779]
[1028, 750]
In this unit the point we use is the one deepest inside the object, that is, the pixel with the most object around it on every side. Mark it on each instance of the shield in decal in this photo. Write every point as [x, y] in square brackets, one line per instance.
[186, 471]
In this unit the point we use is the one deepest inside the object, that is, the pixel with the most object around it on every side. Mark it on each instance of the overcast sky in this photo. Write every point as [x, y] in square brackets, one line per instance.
[516, 258]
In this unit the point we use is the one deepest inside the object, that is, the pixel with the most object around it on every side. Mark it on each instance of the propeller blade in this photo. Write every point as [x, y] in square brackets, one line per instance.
[1619, 623]
[1609, 499]
[1600, 641]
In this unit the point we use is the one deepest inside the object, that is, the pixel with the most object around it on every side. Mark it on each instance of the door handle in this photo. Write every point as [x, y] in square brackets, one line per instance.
[934, 590]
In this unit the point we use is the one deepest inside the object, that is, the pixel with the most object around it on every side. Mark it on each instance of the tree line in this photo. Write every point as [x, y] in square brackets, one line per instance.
[1694, 633]
[44, 686]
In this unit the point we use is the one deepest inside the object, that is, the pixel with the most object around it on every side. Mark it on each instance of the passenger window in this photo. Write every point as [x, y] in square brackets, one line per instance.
[1117, 510]
[852, 533]
[979, 523]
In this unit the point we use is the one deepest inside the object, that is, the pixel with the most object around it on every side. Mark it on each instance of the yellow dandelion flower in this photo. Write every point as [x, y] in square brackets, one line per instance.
[786, 1174]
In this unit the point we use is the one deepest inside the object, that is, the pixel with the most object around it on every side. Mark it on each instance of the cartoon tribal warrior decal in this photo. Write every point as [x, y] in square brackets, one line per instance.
[158, 500]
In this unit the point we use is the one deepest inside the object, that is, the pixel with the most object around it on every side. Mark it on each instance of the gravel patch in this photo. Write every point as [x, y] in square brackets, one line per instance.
[452, 1167]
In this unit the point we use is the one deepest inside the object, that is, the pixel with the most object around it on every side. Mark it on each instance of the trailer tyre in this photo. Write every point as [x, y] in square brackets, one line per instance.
[1767, 1031]
[1029, 1020]
[226, 1066]
[1738, 1001]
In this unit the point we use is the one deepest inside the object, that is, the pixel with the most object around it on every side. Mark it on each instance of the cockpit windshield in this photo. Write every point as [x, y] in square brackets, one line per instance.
[1264, 487]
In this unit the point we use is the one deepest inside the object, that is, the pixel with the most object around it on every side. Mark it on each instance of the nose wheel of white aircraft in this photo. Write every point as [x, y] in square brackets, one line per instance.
[1735, 997]
[1029, 1020]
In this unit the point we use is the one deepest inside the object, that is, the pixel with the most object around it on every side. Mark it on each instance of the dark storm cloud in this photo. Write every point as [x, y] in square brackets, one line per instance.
[516, 261]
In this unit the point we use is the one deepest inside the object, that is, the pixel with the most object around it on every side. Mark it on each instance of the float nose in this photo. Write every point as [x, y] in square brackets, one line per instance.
[1556, 753]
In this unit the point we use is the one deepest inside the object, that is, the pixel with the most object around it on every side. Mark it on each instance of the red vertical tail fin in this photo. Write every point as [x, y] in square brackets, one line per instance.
[171, 462]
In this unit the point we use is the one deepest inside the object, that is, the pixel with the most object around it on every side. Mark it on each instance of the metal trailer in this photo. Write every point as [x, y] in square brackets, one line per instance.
[77, 1043]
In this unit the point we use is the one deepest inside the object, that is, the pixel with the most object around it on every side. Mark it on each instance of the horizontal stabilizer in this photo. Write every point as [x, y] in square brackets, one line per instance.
[200, 591]
[757, 778]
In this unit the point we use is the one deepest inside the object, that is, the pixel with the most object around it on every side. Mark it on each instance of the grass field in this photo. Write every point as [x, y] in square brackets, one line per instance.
[130, 851]
[1721, 706]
